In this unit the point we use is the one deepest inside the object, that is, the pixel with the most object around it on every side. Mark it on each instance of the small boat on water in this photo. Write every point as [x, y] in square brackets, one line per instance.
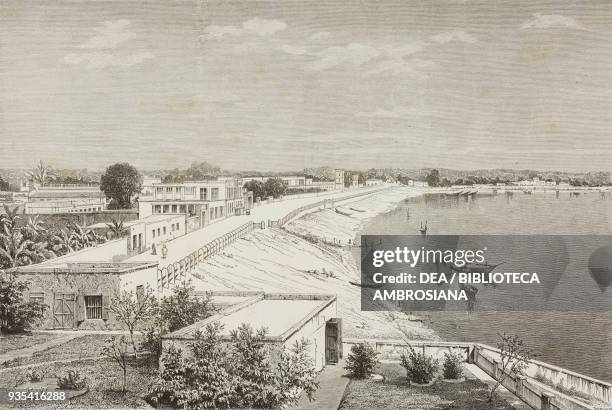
[356, 209]
[527, 191]
[345, 213]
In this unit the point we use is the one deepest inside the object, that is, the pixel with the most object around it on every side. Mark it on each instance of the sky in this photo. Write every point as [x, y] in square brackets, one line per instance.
[284, 85]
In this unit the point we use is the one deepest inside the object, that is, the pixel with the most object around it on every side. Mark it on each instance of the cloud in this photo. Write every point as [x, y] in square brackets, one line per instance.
[101, 60]
[454, 35]
[354, 53]
[550, 21]
[319, 35]
[395, 112]
[264, 27]
[294, 50]
[111, 35]
[415, 67]
[258, 26]
[220, 31]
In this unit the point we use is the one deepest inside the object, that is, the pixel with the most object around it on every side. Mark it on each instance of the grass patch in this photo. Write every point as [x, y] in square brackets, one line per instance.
[21, 341]
[80, 347]
[104, 380]
[396, 392]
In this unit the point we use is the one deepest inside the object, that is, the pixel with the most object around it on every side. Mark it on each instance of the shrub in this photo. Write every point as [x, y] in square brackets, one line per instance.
[451, 367]
[152, 343]
[238, 375]
[72, 381]
[34, 376]
[182, 308]
[420, 368]
[361, 361]
[17, 315]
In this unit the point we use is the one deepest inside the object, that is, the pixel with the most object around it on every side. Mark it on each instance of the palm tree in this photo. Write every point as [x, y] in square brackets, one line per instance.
[117, 229]
[15, 250]
[83, 238]
[40, 175]
[9, 218]
[34, 228]
[61, 242]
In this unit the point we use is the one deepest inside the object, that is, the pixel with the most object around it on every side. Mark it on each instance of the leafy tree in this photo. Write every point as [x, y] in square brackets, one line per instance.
[16, 250]
[4, 185]
[40, 175]
[117, 229]
[251, 363]
[61, 242]
[17, 315]
[120, 183]
[10, 218]
[433, 178]
[116, 348]
[515, 357]
[361, 361]
[240, 375]
[83, 238]
[132, 310]
[295, 373]
[182, 308]
[34, 228]
[275, 187]
[202, 170]
[257, 188]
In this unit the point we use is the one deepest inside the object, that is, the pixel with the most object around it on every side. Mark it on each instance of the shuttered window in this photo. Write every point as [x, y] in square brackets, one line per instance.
[93, 307]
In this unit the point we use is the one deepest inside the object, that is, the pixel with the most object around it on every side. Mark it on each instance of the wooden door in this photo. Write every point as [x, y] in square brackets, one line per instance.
[63, 310]
[331, 342]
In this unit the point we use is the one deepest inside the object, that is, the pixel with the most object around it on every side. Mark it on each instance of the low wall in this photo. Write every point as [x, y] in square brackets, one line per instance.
[529, 390]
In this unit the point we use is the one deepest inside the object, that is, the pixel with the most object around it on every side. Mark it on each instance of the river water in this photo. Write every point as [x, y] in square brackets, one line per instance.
[580, 341]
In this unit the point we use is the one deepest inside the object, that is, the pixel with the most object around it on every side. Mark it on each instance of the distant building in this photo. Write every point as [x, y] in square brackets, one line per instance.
[208, 201]
[147, 232]
[296, 183]
[373, 182]
[339, 179]
[148, 183]
[288, 318]
[56, 199]
[421, 184]
[355, 181]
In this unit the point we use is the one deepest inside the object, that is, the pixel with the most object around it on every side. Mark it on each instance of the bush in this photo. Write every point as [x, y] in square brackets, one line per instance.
[451, 367]
[17, 315]
[34, 376]
[152, 343]
[73, 381]
[182, 308]
[238, 375]
[420, 368]
[361, 361]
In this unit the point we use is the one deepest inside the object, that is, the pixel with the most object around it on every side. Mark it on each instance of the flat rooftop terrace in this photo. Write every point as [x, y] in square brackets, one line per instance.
[281, 314]
[82, 267]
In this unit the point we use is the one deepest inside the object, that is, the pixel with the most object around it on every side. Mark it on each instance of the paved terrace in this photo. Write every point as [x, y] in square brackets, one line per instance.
[184, 245]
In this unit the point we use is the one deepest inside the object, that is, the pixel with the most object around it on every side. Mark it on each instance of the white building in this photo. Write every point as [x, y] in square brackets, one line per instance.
[296, 183]
[373, 182]
[56, 199]
[339, 179]
[208, 201]
[288, 318]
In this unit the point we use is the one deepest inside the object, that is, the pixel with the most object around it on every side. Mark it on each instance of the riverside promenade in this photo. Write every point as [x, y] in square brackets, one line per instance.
[184, 245]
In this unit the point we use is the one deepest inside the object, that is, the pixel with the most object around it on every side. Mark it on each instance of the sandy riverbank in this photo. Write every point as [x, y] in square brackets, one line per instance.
[277, 260]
